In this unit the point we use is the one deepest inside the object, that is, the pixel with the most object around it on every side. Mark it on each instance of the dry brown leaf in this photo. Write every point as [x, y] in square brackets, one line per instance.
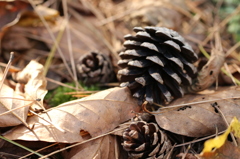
[210, 71]
[93, 115]
[102, 148]
[35, 83]
[10, 9]
[197, 120]
[30, 87]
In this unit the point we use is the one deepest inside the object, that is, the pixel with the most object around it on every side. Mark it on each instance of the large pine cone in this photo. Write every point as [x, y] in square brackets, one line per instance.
[156, 63]
[95, 68]
[145, 140]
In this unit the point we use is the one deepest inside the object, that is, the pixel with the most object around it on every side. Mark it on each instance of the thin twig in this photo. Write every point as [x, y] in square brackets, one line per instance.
[52, 37]
[6, 70]
[198, 140]
[66, 17]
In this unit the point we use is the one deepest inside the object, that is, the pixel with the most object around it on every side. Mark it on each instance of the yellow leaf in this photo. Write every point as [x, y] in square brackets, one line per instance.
[212, 144]
[235, 127]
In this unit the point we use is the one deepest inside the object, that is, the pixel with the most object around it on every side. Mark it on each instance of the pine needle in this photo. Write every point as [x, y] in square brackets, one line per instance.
[19, 145]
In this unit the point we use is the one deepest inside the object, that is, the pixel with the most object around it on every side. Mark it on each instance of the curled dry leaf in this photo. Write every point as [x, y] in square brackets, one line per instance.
[94, 115]
[31, 85]
[102, 148]
[34, 83]
[202, 119]
[209, 73]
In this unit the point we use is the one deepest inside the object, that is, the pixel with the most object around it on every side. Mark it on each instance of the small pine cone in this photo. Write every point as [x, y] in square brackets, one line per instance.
[145, 141]
[95, 68]
[156, 63]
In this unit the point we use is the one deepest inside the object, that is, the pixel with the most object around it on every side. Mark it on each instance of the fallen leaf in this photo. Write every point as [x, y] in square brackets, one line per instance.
[210, 71]
[212, 145]
[102, 148]
[227, 151]
[34, 83]
[31, 85]
[9, 99]
[96, 115]
[200, 119]
[10, 9]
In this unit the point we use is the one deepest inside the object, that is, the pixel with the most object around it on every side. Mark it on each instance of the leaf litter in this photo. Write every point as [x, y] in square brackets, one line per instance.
[75, 121]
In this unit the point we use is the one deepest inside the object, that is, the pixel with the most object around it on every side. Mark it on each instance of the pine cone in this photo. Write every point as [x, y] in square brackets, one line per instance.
[95, 68]
[156, 63]
[145, 140]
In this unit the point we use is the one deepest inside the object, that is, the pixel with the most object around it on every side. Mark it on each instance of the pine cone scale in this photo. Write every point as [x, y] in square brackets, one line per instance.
[167, 95]
[172, 74]
[157, 60]
[141, 63]
[145, 80]
[156, 74]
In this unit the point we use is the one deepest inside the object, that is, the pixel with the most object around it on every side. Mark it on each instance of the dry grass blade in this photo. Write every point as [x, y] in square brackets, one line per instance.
[95, 30]
[10, 111]
[177, 8]
[232, 49]
[60, 83]
[6, 70]
[228, 72]
[53, 38]
[222, 69]
[53, 49]
[200, 139]
[227, 124]
[83, 92]
[66, 17]
[57, 127]
[23, 157]
[38, 154]
[117, 16]
[221, 25]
